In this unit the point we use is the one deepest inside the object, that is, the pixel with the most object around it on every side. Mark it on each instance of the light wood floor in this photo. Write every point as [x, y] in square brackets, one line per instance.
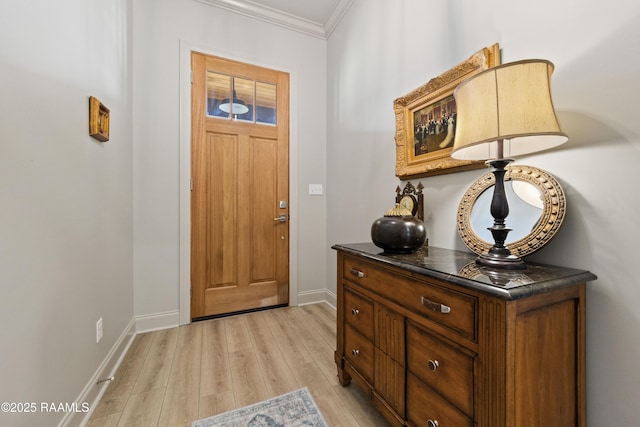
[175, 376]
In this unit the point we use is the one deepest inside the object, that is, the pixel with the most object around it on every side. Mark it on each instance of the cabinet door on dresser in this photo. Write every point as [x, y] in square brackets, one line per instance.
[389, 372]
[548, 338]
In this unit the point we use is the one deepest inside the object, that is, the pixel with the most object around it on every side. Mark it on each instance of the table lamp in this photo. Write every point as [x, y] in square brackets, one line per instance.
[505, 111]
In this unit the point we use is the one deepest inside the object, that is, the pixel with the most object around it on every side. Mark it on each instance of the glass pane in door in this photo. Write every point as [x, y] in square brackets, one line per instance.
[242, 107]
[265, 103]
[218, 90]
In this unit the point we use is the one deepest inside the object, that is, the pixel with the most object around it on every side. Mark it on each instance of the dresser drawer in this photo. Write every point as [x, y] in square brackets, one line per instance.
[446, 368]
[453, 310]
[358, 312]
[358, 351]
[424, 405]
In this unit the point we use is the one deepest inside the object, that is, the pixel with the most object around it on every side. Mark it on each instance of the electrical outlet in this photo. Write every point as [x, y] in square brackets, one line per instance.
[98, 330]
[315, 189]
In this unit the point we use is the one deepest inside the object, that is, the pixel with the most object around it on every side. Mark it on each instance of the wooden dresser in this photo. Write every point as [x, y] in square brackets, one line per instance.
[435, 341]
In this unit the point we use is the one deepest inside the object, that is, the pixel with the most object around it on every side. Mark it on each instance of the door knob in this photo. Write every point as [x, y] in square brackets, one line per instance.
[281, 218]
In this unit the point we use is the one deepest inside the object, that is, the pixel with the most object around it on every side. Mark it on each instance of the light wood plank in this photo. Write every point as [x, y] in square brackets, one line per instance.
[143, 409]
[322, 318]
[106, 421]
[237, 334]
[286, 337]
[179, 375]
[323, 393]
[248, 384]
[320, 350]
[216, 373]
[218, 403]
[156, 368]
[276, 373]
[179, 406]
[186, 363]
[360, 406]
[181, 401]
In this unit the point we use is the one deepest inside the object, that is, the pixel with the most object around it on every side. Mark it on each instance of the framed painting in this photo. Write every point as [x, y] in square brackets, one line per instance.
[426, 120]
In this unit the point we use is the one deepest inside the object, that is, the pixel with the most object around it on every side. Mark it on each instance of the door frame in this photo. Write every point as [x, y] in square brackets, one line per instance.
[185, 174]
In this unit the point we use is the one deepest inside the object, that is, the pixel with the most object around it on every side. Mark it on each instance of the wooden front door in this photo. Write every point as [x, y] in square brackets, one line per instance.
[240, 187]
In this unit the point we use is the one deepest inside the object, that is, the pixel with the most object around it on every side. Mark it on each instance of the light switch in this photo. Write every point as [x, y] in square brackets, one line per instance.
[315, 189]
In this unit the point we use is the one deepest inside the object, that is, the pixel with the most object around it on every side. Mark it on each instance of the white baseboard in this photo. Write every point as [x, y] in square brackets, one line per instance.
[157, 321]
[331, 299]
[93, 391]
[313, 297]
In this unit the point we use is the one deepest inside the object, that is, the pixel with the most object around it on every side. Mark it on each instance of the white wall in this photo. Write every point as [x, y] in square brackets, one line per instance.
[66, 202]
[159, 29]
[382, 50]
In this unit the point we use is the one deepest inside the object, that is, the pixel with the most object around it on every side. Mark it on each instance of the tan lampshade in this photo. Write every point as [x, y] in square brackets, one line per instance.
[510, 102]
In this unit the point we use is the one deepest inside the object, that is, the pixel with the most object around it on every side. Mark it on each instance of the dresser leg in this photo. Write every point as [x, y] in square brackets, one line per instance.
[343, 377]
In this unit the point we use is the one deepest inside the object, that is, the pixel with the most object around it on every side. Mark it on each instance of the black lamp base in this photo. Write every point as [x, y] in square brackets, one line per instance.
[505, 262]
[499, 255]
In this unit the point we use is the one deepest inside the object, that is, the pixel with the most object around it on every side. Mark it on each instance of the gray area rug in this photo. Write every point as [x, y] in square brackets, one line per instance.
[293, 409]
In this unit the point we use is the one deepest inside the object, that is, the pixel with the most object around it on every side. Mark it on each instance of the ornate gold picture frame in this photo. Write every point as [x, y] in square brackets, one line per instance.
[426, 119]
[98, 120]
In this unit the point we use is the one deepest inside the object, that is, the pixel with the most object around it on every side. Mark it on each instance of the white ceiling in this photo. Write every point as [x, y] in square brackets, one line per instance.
[317, 18]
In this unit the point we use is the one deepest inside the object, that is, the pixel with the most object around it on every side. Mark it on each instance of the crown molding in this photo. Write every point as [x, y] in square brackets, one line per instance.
[336, 16]
[283, 19]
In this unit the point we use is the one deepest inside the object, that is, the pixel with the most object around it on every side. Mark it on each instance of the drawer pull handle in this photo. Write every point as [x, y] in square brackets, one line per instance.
[435, 306]
[355, 312]
[357, 273]
[433, 365]
[433, 423]
[355, 352]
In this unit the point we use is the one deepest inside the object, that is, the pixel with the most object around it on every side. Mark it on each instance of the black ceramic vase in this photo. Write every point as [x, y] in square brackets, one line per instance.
[398, 232]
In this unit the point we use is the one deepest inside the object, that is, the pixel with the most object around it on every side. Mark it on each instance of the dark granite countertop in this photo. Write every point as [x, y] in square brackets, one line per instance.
[459, 268]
